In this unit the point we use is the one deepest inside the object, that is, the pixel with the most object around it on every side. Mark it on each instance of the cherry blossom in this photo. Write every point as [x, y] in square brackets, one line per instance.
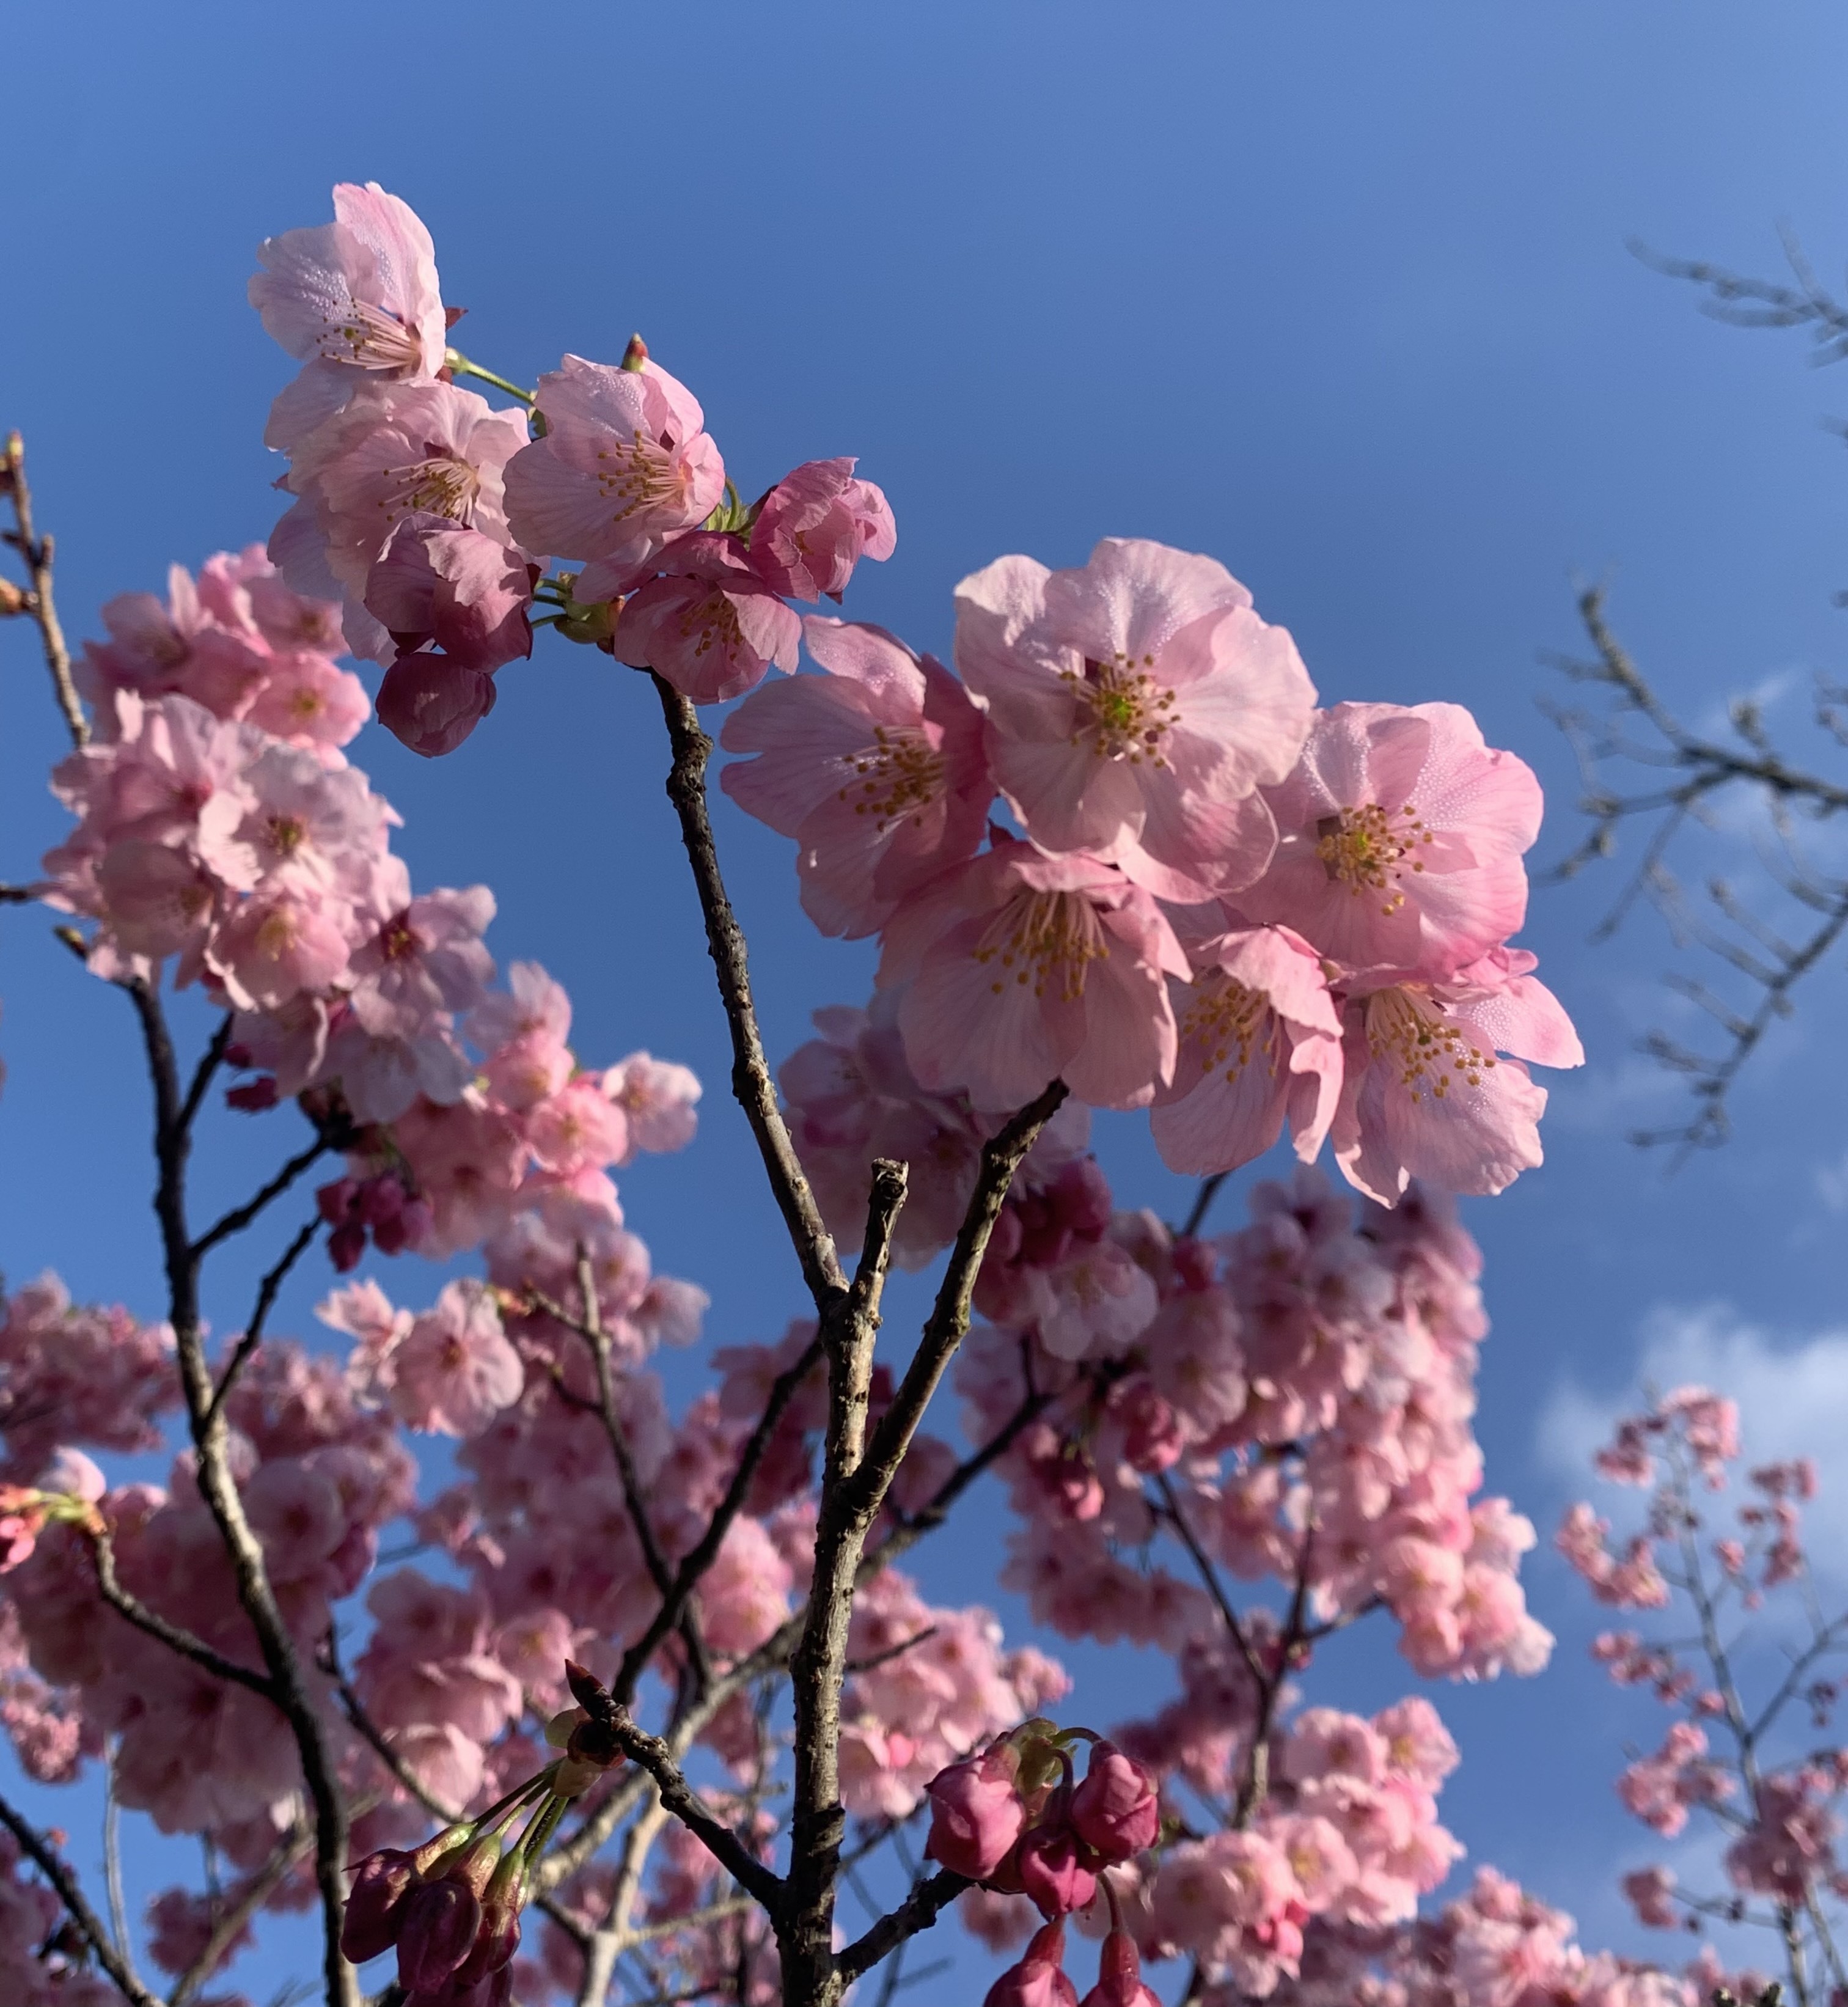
[1139, 703]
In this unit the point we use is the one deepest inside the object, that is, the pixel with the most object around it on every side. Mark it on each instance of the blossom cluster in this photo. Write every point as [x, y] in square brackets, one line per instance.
[1221, 903]
[430, 516]
[258, 858]
[1782, 1814]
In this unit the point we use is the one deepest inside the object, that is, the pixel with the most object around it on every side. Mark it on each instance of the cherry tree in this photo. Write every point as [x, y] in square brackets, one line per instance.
[652, 1696]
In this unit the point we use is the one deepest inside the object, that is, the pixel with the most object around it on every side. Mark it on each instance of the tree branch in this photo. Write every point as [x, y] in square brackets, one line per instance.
[126, 1604]
[240, 1217]
[751, 1080]
[36, 553]
[919, 1911]
[219, 1490]
[89, 1925]
[265, 1302]
[234, 1915]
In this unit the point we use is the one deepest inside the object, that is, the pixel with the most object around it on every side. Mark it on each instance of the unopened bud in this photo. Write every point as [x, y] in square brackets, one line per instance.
[635, 355]
[13, 598]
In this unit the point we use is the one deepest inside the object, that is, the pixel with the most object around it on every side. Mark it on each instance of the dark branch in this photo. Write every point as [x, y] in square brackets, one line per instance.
[919, 1911]
[89, 1925]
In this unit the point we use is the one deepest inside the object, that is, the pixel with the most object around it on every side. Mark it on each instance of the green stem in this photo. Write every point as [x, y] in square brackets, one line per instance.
[459, 364]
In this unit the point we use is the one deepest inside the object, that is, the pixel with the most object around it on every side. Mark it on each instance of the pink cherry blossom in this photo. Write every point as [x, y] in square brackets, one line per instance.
[625, 464]
[657, 1098]
[1024, 968]
[877, 769]
[353, 299]
[1259, 1040]
[1402, 834]
[454, 1371]
[431, 704]
[1425, 1095]
[1138, 704]
[815, 526]
[975, 1813]
[397, 452]
[709, 624]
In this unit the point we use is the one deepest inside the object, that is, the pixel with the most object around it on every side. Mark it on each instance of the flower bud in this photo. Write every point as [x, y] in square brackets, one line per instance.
[1040, 1979]
[380, 1885]
[1052, 1864]
[1115, 1810]
[1119, 1976]
[442, 1918]
[975, 1813]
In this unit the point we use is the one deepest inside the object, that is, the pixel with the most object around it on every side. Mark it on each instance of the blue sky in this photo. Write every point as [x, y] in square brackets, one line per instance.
[1339, 293]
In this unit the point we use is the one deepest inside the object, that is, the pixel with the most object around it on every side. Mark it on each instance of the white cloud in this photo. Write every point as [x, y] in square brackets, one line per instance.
[1793, 1397]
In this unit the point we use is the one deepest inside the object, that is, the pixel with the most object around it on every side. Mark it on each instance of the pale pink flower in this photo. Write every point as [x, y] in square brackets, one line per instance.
[1138, 704]
[815, 526]
[353, 299]
[309, 701]
[657, 1098]
[877, 769]
[1418, 1745]
[1321, 1860]
[1024, 968]
[1260, 1039]
[179, 648]
[426, 959]
[454, 1371]
[577, 1127]
[532, 1004]
[625, 464]
[1402, 834]
[744, 1594]
[398, 451]
[277, 944]
[1324, 1742]
[1426, 1095]
[709, 624]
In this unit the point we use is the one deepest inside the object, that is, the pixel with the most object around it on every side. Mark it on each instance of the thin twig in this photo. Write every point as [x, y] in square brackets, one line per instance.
[917, 1912]
[36, 552]
[265, 1302]
[751, 1080]
[89, 1925]
[232, 1917]
[240, 1217]
[118, 1907]
[126, 1604]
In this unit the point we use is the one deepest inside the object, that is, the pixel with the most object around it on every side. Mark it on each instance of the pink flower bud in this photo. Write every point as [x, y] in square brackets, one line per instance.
[975, 1813]
[1119, 1976]
[380, 1885]
[1040, 1979]
[1052, 1864]
[1116, 1810]
[437, 1934]
[431, 704]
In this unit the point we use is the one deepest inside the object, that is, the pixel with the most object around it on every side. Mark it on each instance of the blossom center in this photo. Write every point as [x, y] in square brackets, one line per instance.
[440, 484]
[714, 619]
[639, 473]
[1367, 849]
[899, 775]
[1225, 1021]
[288, 833]
[1432, 1053]
[1043, 937]
[1122, 713]
[367, 337]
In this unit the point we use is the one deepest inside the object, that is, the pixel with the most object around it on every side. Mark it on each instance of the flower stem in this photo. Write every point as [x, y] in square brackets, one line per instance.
[459, 365]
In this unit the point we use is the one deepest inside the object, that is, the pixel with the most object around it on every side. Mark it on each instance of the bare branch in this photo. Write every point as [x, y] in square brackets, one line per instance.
[240, 1217]
[919, 1911]
[89, 1925]
[751, 1081]
[36, 552]
[218, 1489]
[265, 1302]
[126, 1604]
[656, 1758]
[231, 1918]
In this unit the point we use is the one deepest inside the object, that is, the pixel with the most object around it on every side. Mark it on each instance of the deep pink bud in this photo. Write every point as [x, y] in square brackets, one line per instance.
[380, 1885]
[440, 1920]
[1116, 1810]
[431, 704]
[1054, 1868]
[346, 1246]
[335, 1201]
[975, 1813]
[1040, 1979]
[253, 1096]
[1119, 1976]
